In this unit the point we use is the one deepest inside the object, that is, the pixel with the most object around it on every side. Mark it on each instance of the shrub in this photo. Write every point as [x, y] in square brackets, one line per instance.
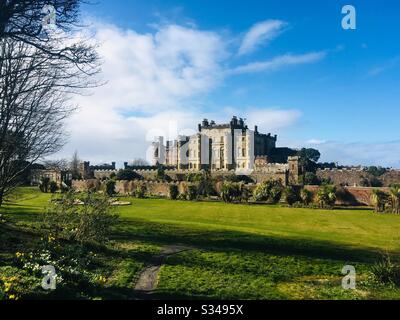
[306, 196]
[268, 191]
[290, 195]
[230, 192]
[194, 176]
[44, 184]
[246, 193]
[310, 178]
[387, 272]
[239, 178]
[375, 171]
[173, 192]
[140, 191]
[371, 182]
[161, 175]
[91, 221]
[394, 194]
[64, 188]
[110, 187]
[53, 187]
[183, 196]
[326, 196]
[261, 192]
[192, 192]
[378, 200]
[128, 175]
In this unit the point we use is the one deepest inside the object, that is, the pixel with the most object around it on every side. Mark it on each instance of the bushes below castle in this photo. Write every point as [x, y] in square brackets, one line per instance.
[386, 202]
[203, 187]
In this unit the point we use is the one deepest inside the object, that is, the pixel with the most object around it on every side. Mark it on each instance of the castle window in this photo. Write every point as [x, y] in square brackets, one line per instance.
[243, 152]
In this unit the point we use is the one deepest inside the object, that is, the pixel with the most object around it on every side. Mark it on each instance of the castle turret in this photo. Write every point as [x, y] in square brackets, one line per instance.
[294, 170]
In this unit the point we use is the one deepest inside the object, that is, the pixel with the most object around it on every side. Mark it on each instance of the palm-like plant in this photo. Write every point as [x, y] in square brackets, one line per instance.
[326, 196]
[306, 196]
[378, 199]
[394, 194]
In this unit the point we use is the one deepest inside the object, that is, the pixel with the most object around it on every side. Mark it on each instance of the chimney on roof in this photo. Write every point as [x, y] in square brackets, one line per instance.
[234, 121]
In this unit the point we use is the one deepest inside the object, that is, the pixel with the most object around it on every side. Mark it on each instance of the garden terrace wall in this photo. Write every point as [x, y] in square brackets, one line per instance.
[257, 176]
[360, 195]
[129, 187]
[353, 177]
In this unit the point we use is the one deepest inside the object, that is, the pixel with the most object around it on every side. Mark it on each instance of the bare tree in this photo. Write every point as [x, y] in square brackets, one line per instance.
[74, 166]
[139, 162]
[27, 21]
[58, 164]
[32, 111]
[39, 70]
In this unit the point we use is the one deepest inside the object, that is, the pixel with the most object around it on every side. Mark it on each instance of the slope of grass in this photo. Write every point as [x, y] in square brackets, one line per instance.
[241, 251]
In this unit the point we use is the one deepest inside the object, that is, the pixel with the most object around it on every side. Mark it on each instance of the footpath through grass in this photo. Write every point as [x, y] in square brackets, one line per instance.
[240, 251]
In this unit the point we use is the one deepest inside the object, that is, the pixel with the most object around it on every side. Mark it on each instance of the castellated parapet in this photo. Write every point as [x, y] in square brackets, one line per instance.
[225, 148]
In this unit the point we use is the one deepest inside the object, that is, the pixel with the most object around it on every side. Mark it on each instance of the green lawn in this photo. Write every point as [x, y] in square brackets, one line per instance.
[240, 251]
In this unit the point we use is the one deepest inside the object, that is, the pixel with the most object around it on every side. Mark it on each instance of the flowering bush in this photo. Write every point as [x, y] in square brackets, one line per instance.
[89, 222]
[15, 283]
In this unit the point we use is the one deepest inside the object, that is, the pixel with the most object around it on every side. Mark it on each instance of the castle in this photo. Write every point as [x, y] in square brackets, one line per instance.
[221, 147]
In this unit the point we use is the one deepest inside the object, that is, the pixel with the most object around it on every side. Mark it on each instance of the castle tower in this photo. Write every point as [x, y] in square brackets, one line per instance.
[158, 151]
[294, 170]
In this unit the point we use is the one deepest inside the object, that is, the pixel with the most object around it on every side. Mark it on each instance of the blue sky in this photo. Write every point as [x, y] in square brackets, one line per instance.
[285, 65]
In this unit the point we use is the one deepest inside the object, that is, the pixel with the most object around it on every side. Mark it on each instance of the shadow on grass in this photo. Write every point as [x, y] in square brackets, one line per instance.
[167, 234]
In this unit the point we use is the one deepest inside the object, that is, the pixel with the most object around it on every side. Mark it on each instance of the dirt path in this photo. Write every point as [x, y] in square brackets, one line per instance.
[147, 281]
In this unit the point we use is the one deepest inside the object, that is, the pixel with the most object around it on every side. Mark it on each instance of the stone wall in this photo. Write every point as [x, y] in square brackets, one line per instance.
[273, 173]
[102, 174]
[353, 196]
[356, 195]
[353, 177]
[129, 187]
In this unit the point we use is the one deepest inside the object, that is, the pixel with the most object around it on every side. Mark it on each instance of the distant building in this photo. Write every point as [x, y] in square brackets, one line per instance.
[56, 175]
[88, 171]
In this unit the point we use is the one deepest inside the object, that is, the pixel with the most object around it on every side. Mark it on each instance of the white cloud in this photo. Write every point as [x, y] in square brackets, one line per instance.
[390, 64]
[316, 141]
[153, 80]
[279, 62]
[270, 119]
[154, 70]
[262, 32]
[152, 75]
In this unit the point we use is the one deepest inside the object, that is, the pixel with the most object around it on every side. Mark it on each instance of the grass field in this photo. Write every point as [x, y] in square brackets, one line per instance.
[237, 251]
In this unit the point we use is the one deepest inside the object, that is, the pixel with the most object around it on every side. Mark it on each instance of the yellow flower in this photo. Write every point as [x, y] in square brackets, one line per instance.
[7, 286]
[19, 254]
[102, 279]
[12, 297]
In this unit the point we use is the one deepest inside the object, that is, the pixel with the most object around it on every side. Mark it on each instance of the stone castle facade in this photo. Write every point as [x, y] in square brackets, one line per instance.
[227, 147]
